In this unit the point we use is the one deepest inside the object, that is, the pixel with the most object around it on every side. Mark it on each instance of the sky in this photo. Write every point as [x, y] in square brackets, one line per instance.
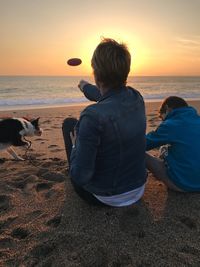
[37, 37]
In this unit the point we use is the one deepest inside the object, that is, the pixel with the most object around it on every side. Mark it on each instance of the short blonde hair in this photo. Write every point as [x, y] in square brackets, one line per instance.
[111, 63]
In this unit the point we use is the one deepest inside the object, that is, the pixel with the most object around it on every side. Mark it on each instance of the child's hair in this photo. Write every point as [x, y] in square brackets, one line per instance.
[172, 102]
[111, 63]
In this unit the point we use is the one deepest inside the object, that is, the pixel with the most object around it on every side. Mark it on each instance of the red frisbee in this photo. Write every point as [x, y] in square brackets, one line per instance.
[74, 61]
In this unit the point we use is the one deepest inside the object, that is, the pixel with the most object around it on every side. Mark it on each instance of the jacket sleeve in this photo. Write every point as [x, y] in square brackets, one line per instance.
[83, 156]
[91, 92]
[161, 136]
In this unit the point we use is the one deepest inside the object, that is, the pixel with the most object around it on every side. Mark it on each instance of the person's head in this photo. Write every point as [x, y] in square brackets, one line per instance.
[171, 103]
[111, 64]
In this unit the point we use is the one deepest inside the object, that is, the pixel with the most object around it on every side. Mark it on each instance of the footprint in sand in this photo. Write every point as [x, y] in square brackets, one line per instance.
[54, 222]
[43, 168]
[41, 139]
[52, 146]
[24, 183]
[54, 177]
[4, 203]
[58, 160]
[19, 184]
[43, 186]
[57, 150]
[2, 161]
[6, 223]
[36, 155]
[20, 233]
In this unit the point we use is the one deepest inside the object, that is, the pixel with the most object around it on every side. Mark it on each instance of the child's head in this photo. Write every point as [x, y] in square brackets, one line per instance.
[171, 103]
[111, 63]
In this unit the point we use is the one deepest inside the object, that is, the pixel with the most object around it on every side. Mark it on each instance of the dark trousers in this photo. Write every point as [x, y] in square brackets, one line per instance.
[67, 127]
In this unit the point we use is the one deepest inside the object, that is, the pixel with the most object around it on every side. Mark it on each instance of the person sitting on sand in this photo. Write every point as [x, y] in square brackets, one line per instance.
[179, 165]
[106, 151]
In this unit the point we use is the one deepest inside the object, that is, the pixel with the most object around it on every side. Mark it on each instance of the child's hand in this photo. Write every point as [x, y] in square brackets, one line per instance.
[81, 84]
[73, 137]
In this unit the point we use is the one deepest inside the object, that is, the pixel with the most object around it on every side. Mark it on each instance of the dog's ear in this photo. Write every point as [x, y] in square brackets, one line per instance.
[35, 121]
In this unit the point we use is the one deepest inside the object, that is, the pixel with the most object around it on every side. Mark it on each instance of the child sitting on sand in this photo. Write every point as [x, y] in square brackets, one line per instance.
[179, 167]
[107, 159]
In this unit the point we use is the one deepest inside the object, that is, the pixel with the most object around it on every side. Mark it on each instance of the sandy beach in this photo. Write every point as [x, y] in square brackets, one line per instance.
[44, 223]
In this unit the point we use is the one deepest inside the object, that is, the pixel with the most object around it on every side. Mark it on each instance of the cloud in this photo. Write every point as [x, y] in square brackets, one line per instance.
[189, 48]
[189, 43]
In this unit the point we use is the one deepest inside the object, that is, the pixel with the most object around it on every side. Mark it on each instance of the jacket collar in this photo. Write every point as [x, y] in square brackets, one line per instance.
[112, 92]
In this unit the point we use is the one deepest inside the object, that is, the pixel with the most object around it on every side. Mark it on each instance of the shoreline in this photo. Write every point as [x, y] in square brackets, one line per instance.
[147, 102]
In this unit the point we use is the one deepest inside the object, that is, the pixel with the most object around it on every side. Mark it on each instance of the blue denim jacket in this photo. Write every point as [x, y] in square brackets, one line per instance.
[109, 155]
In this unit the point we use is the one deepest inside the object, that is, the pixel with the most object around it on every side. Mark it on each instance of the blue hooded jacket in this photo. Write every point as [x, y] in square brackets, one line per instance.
[181, 131]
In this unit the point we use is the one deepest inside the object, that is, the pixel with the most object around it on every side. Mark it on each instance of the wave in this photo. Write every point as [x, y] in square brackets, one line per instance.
[46, 101]
[194, 95]
[73, 100]
[42, 91]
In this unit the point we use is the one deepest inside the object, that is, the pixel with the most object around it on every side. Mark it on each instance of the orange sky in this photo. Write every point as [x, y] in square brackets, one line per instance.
[37, 37]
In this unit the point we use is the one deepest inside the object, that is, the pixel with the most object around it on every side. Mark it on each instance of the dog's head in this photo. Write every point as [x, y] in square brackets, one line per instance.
[36, 126]
[30, 127]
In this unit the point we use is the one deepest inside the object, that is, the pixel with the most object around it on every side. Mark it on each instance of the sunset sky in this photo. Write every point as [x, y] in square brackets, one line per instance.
[38, 36]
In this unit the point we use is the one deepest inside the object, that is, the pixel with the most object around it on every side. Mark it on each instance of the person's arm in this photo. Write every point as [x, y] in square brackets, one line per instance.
[83, 155]
[90, 91]
[161, 136]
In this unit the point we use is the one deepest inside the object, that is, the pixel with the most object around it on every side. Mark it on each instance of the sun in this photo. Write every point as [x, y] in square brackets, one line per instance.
[137, 50]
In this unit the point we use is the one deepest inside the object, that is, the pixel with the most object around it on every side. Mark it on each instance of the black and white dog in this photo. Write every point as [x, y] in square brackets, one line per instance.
[12, 131]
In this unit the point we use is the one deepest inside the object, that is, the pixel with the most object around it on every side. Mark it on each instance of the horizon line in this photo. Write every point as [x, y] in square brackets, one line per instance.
[43, 75]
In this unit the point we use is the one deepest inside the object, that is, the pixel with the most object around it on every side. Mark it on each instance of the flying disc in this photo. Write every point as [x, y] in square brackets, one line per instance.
[74, 61]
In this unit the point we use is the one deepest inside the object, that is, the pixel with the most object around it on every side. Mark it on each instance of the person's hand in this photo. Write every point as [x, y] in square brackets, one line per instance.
[73, 138]
[81, 84]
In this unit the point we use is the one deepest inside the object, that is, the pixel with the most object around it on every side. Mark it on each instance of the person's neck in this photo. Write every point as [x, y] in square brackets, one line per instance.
[103, 89]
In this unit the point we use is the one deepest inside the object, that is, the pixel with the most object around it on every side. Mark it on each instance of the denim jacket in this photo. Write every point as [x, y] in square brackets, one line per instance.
[109, 155]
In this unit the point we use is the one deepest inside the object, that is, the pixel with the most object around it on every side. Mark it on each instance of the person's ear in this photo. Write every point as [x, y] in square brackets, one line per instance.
[168, 109]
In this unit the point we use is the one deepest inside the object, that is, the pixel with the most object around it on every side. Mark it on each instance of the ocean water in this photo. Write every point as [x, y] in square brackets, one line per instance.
[20, 92]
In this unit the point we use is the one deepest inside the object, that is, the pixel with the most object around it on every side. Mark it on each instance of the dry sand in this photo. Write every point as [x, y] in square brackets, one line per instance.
[44, 223]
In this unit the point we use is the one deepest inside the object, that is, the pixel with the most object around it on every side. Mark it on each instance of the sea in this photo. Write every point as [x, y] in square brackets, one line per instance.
[25, 92]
